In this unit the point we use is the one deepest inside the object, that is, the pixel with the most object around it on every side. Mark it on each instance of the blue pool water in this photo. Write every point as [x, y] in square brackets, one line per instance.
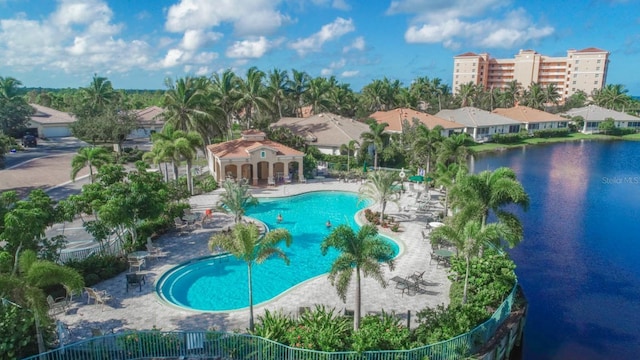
[220, 284]
[579, 261]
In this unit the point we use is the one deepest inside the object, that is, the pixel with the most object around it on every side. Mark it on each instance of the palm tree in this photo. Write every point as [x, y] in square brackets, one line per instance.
[446, 175]
[91, 157]
[551, 94]
[99, 94]
[466, 94]
[350, 149]
[298, 85]
[176, 145]
[612, 96]
[363, 253]
[375, 137]
[426, 143]
[9, 88]
[236, 198]
[277, 88]
[381, 187]
[246, 244]
[225, 93]
[316, 95]
[252, 95]
[187, 107]
[453, 149]
[469, 239]
[186, 145]
[476, 195]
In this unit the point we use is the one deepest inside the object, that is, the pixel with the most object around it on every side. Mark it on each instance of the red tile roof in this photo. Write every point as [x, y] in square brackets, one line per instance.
[467, 54]
[241, 148]
[395, 118]
[526, 114]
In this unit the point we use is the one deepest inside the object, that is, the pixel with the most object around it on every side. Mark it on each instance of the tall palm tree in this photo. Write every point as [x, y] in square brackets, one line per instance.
[236, 198]
[225, 93]
[186, 146]
[350, 148]
[99, 93]
[277, 88]
[491, 191]
[469, 239]
[187, 106]
[252, 96]
[363, 253]
[316, 95]
[551, 94]
[446, 175]
[466, 94]
[91, 157]
[453, 149]
[298, 85]
[426, 144]
[612, 96]
[246, 244]
[381, 187]
[9, 87]
[375, 137]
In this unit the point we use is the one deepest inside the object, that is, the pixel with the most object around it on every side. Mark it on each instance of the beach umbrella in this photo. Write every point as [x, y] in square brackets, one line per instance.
[416, 178]
[364, 168]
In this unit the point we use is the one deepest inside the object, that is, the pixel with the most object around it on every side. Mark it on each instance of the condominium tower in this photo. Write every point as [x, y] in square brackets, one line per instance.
[584, 70]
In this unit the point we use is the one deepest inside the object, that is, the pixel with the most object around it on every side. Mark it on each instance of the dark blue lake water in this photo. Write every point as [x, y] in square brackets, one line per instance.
[579, 263]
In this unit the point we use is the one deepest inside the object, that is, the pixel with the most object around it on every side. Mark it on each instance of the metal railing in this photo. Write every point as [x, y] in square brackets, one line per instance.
[219, 345]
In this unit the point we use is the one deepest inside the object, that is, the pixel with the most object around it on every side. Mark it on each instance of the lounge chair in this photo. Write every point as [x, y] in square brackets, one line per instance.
[271, 182]
[99, 296]
[135, 279]
[135, 263]
[180, 224]
[58, 305]
[154, 252]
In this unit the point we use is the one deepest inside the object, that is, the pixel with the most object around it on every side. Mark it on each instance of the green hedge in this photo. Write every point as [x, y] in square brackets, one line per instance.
[551, 133]
[508, 138]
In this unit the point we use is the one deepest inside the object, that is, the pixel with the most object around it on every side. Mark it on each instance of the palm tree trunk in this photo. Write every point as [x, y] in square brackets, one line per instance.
[189, 178]
[384, 205]
[175, 171]
[356, 315]
[251, 326]
[466, 282]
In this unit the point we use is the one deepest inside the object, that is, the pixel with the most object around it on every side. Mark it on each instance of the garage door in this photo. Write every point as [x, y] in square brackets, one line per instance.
[56, 131]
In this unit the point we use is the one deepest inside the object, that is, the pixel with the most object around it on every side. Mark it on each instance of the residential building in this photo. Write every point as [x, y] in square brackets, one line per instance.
[255, 159]
[150, 120]
[593, 115]
[584, 70]
[395, 118]
[326, 131]
[480, 124]
[533, 119]
[47, 122]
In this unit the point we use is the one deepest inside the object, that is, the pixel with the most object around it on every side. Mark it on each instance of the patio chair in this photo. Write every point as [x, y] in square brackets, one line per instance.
[135, 263]
[135, 279]
[180, 224]
[416, 276]
[58, 305]
[271, 182]
[99, 296]
[154, 252]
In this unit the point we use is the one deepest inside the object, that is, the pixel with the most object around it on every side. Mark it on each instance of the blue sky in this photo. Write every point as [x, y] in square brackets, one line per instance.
[137, 44]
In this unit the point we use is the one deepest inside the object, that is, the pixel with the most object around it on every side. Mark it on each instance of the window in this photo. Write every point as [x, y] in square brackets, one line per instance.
[483, 131]
[597, 68]
[534, 126]
[575, 76]
[576, 68]
[595, 82]
[562, 124]
[574, 82]
[263, 154]
[599, 60]
[514, 129]
[633, 124]
[592, 124]
[577, 61]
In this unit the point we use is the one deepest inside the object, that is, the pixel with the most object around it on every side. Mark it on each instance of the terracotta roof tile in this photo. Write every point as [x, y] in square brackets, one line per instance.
[590, 49]
[46, 115]
[526, 114]
[395, 117]
[467, 54]
[241, 148]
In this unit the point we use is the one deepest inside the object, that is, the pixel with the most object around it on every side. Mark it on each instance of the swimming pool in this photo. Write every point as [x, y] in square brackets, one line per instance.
[220, 283]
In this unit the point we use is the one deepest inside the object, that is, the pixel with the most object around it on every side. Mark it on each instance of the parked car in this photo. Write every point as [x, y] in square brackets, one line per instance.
[29, 141]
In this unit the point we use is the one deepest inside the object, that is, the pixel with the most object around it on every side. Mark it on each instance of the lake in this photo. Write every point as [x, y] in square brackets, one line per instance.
[579, 263]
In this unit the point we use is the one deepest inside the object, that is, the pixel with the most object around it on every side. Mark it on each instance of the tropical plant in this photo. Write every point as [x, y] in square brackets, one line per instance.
[612, 96]
[93, 157]
[468, 240]
[245, 243]
[453, 149]
[349, 148]
[188, 108]
[224, 90]
[298, 85]
[252, 97]
[362, 253]
[381, 187]
[446, 176]
[98, 94]
[474, 196]
[426, 144]
[236, 198]
[382, 332]
[375, 138]
[320, 329]
[277, 88]
[15, 113]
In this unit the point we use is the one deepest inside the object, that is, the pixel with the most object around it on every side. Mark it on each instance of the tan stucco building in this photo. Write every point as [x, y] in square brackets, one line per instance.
[395, 118]
[533, 119]
[256, 159]
[584, 70]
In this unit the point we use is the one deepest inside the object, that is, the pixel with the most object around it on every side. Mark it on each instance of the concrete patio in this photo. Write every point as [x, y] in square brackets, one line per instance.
[145, 310]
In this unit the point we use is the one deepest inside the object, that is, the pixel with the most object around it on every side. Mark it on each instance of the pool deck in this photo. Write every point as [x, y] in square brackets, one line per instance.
[144, 309]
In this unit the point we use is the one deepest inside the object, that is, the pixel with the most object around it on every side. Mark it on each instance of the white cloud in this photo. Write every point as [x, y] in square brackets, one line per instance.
[254, 49]
[174, 57]
[357, 44]
[328, 32]
[445, 9]
[350, 73]
[249, 17]
[335, 65]
[341, 5]
[195, 39]
[78, 36]
[514, 29]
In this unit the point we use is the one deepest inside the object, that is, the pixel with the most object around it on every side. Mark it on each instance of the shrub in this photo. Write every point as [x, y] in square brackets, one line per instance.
[274, 326]
[96, 268]
[320, 329]
[206, 184]
[507, 138]
[550, 133]
[381, 333]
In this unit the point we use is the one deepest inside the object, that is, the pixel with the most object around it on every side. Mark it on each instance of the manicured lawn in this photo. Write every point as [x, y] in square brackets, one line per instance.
[533, 141]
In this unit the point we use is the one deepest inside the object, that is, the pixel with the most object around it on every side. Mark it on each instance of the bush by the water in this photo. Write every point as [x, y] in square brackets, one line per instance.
[551, 133]
[508, 138]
